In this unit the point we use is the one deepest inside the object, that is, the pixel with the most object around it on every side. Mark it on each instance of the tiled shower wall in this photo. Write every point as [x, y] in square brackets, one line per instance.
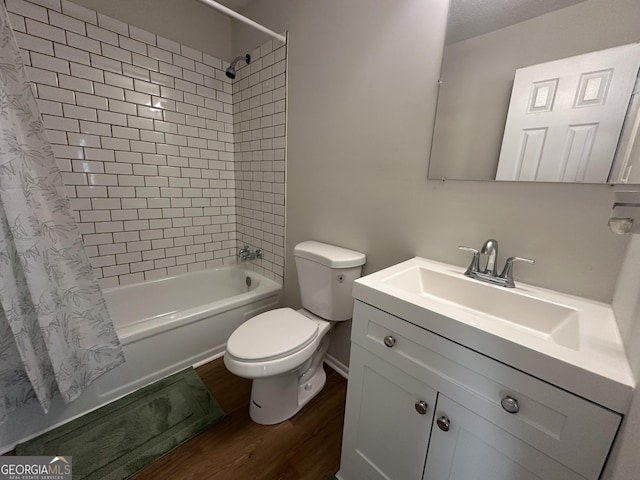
[259, 108]
[142, 129]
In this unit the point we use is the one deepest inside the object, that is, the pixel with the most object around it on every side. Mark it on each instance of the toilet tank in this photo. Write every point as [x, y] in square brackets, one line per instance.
[325, 275]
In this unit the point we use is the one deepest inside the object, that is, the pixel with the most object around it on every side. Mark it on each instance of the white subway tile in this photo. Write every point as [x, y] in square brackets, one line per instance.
[81, 113]
[145, 62]
[109, 91]
[169, 45]
[113, 24]
[46, 62]
[102, 179]
[145, 147]
[146, 87]
[104, 63]
[149, 112]
[115, 144]
[121, 192]
[133, 45]
[91, 101]
[79, 12]
[102, 35]
[60, 123]
[72, 54]
[67, 23]
[116, 53]
[152, 136]
[27, 9]
[135, 72]
[137, 122]
[193, 77]
[111, 118]
[129, 157]
[142, 35]
[122, 107]
[88, 166]
[212, 61]
[45, 31]
[94, 128]
[35, 44]
[118, 80]
[138, 98]
[56, 94]
[184, 62]
[88, 73]
[49, 107]
[126, 132]
[99, 154]
[170, 70]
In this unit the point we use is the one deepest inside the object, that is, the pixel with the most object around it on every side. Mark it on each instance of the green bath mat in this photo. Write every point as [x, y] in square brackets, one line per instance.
[117, 440]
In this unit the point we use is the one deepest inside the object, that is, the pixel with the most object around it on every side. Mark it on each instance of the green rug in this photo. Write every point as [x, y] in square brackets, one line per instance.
[117, 440]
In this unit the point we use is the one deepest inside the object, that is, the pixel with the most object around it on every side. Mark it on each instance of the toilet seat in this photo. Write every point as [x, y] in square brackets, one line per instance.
[272, 335]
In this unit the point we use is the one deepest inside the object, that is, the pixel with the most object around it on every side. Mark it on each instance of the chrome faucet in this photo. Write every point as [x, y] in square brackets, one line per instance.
[245, 253]
[490, 274]
[490, 248]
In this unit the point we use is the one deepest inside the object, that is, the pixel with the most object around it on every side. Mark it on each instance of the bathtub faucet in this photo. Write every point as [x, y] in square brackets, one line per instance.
[245, 253]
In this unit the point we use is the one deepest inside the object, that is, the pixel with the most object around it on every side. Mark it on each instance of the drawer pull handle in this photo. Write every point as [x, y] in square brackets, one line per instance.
[389, 341]
[510, 404]
[421, 407]
[443, 423]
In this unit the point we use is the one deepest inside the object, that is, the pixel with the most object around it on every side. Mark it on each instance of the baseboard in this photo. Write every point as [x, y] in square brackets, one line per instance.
[337, 365]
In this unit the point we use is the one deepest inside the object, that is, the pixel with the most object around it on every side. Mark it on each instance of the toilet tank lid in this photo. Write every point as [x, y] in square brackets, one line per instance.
[329, 255]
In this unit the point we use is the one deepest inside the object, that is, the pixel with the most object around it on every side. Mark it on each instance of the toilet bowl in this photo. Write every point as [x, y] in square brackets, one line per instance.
[283, 350]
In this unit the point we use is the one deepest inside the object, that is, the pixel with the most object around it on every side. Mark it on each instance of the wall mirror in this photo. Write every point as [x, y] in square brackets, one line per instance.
[527, 89]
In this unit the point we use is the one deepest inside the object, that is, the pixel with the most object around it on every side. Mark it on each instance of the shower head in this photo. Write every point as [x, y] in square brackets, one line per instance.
[231, 71]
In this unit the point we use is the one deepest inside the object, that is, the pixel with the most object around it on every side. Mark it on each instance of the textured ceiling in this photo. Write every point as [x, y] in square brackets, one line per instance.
[469, 18]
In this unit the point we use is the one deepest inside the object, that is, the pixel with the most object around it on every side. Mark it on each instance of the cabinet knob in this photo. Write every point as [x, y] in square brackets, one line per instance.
[443, 423]
[389, 341]
[510, 404]
[421, 407]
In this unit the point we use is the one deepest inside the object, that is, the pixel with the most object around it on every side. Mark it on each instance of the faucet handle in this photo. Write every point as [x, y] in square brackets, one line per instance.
[474, 266]
[507, 272]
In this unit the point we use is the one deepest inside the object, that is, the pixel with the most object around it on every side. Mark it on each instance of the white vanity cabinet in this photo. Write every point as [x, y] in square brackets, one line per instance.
[420, 406]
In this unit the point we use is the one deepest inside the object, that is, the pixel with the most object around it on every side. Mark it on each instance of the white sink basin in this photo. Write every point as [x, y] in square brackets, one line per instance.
[533, 316]
[568, 341]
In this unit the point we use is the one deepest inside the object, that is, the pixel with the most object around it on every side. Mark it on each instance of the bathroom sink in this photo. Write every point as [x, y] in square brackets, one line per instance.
[514, 309]
[565, 340]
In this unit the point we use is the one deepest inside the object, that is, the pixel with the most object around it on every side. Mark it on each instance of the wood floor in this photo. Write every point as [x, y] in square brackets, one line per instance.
[305, 447]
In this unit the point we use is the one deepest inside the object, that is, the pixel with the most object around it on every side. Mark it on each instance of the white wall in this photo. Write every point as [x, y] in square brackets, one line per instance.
[361, 97]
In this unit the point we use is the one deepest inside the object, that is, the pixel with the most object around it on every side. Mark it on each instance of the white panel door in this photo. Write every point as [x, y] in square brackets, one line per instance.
[474, 448]
[385, 436]
[565, 117]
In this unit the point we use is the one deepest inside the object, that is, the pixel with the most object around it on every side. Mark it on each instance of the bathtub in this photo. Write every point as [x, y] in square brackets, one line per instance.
[164, 326]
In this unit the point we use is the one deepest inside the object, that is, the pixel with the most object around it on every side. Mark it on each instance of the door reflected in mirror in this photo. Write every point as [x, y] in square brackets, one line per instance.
[546, 99]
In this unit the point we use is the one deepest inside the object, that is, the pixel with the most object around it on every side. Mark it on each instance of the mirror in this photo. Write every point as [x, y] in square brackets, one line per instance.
[487, 42]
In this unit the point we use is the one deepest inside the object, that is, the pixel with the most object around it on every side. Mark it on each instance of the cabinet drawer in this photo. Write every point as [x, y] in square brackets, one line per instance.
[574, 431]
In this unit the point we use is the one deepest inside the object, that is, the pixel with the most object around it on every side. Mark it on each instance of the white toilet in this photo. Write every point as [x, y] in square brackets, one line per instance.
[283, 350]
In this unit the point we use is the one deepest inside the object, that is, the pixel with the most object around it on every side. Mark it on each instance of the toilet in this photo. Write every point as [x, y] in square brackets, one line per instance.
[283, 350]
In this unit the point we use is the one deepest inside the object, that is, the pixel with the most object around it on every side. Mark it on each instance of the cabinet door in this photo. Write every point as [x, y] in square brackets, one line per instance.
[386, 430]
[474, 448]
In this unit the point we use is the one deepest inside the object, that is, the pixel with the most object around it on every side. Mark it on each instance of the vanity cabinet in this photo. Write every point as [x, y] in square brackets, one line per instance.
[420, 406]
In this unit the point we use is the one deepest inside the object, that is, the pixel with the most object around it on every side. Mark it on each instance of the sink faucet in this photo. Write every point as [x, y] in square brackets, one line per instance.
[490, 273]
[490, 248]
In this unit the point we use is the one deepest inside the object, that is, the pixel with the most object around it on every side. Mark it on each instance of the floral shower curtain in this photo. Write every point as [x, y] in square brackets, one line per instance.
[55, 332]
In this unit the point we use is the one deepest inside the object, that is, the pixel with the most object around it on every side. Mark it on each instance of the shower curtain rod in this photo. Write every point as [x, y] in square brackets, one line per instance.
[243, 19]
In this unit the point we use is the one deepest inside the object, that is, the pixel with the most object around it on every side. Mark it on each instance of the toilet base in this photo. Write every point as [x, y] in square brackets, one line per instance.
[276, 399]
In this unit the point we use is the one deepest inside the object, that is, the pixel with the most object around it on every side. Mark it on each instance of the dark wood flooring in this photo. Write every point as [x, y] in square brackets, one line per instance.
[305, 447]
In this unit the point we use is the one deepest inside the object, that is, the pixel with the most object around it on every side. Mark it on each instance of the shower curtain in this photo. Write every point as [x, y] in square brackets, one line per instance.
[56, 336]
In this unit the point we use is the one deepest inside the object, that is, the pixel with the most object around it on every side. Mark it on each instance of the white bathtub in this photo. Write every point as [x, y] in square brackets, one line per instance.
[164, 326]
